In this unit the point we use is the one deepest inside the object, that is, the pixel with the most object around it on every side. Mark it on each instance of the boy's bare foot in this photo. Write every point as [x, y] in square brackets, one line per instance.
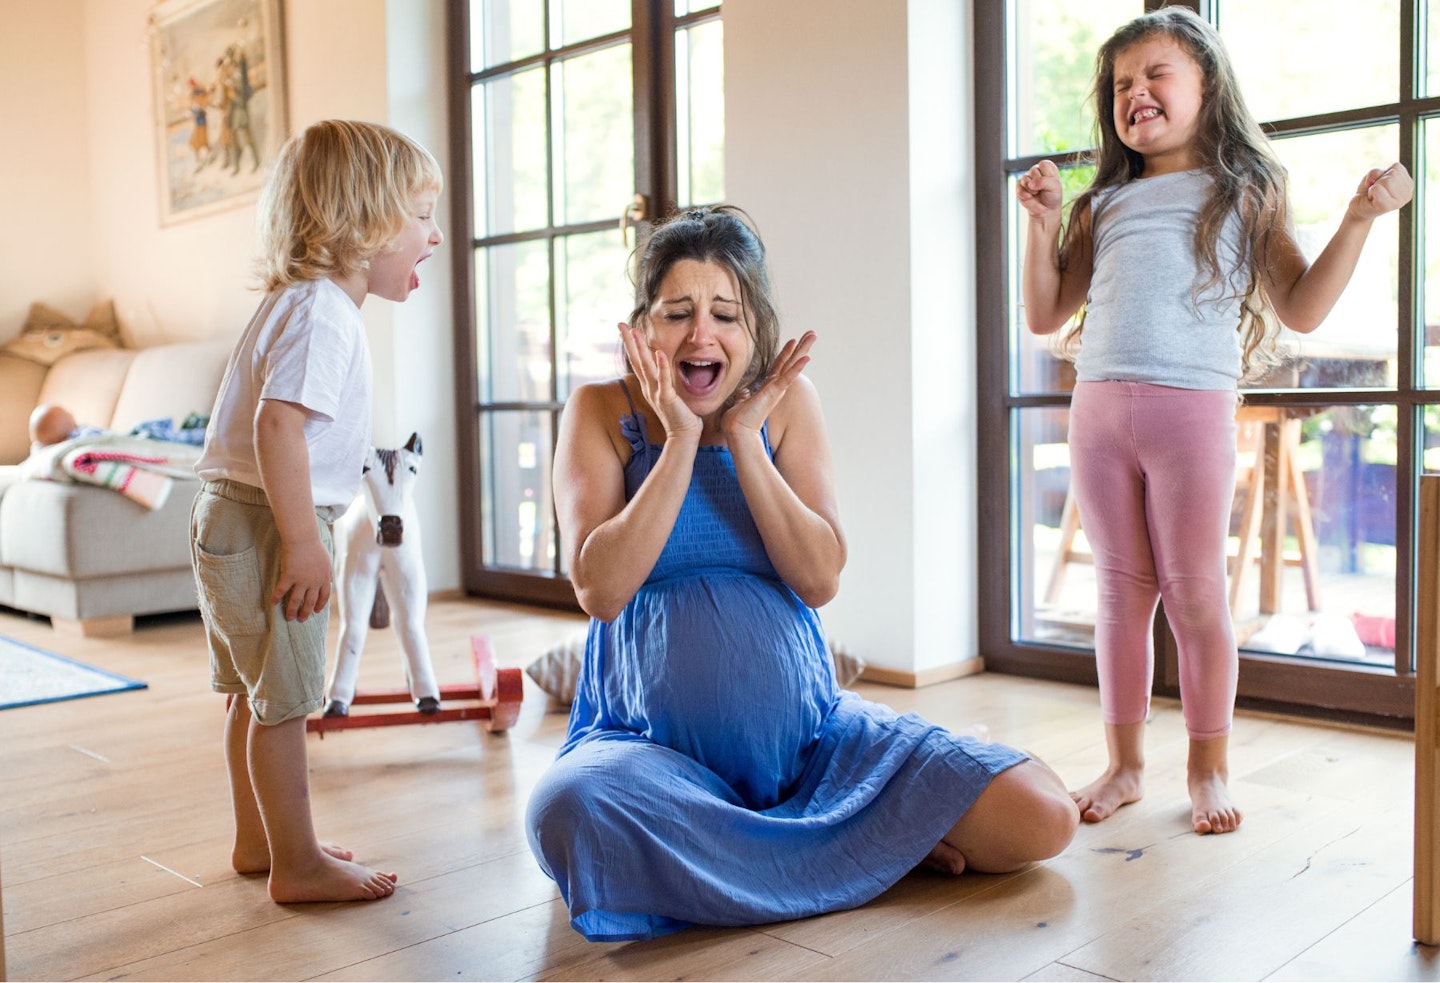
[945, 858]
[332, 879]
[1115, 788]
[250, 860]
[1212, 809]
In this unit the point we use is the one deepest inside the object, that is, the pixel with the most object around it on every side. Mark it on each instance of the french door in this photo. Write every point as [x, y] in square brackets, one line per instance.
[1323, 532]
[573, 122]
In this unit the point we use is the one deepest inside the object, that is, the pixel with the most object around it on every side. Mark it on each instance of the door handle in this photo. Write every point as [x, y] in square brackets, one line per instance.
[634, 213]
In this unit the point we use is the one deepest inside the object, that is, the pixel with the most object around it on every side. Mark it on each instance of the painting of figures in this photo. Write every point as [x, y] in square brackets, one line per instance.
[219, 101]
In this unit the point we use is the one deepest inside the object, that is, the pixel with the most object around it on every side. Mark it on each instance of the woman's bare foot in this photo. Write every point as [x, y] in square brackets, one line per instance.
[332, 879]
[247, 859]
[945, 858]
[1207, 775]
[1117, 787]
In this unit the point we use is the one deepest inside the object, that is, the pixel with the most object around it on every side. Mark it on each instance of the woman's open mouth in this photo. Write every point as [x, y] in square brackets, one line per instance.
[700, 377]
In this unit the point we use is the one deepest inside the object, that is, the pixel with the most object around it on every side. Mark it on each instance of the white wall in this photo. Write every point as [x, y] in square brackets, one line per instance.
[46, 252]
[847, 132]
[847, 140]
[943, 410]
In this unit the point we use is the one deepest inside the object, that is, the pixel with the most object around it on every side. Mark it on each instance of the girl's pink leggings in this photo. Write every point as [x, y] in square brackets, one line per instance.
[1153, 470]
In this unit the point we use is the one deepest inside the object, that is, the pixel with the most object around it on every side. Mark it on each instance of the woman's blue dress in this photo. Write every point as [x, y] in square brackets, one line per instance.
[714, 773]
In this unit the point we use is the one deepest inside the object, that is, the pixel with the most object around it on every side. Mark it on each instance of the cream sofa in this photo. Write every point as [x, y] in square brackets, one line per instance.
[86, 557]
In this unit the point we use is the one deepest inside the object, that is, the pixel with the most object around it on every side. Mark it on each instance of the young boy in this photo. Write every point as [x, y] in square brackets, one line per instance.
[349, 211]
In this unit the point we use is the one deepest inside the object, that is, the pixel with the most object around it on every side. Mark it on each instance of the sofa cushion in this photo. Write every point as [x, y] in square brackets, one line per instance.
[170, 381]
[88, 384]
[79, 531]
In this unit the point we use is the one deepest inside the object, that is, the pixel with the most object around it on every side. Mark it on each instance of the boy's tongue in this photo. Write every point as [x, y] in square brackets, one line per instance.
[414, 279]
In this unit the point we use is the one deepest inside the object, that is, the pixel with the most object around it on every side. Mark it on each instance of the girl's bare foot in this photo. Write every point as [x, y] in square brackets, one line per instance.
[1207, 775]
[1117, 787]
[1212, 809]
[1123, 781]
[248, 859]
[332, 879]
[945, 858]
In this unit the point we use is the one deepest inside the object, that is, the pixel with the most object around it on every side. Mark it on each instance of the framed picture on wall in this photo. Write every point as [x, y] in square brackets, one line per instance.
[219, 76]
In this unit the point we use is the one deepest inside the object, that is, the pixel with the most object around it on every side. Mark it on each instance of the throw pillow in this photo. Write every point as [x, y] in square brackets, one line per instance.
[558, 670]
[48, 334]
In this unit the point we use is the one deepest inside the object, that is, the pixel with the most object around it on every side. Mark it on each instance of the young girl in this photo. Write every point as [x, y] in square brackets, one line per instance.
[349, 211]
[1177, 250]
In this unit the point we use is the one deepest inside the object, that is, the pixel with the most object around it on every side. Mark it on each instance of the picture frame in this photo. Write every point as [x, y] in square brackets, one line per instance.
[220, 102]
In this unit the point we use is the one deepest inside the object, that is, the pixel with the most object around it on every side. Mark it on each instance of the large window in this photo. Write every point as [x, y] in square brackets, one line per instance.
[1330, 445]
[574, 122]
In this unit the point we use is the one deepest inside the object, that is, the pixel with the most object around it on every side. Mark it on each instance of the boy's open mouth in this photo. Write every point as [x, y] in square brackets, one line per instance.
[415, 273]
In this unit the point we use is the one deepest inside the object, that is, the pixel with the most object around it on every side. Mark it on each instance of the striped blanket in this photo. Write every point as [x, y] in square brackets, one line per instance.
[139, 468]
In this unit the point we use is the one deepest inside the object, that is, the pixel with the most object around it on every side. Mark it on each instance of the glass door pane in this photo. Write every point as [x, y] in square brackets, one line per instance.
[512, 322]
[1052, 67]
[511, 155]
[1301, 59]
[1313, 532]
[1055, 592]
[593, 135]
[1356, 346]
[572, 21]
[1427, 190]
[1037, 366]
[518, 511]
[593, 298]
[505, 30]
[700, 114]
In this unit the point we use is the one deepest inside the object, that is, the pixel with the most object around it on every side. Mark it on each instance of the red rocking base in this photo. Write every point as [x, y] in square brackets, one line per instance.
[495, 699]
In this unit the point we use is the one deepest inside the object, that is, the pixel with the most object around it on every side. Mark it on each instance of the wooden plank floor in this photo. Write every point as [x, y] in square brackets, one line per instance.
[115, 832]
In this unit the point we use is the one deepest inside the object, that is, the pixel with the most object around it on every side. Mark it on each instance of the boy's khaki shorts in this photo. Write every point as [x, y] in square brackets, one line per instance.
[235, 549]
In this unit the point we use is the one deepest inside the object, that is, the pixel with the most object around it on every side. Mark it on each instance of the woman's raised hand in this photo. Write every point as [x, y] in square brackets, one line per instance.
[752, 406]
[657, 383]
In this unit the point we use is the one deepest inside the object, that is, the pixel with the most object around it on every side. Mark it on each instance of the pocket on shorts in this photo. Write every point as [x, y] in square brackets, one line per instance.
[232, 595]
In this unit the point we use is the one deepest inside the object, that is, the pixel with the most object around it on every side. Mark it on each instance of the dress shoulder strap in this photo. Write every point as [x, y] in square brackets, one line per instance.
[626, 390]
[632, 426]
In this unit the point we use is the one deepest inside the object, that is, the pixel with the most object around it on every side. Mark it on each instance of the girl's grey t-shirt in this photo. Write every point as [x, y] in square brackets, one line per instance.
[1144, 321]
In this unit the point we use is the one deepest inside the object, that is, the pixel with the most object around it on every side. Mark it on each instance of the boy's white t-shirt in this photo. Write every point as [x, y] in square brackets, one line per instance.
[305, 345]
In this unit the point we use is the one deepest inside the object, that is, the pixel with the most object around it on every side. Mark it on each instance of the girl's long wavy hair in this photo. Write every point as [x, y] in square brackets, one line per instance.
[1249, 180]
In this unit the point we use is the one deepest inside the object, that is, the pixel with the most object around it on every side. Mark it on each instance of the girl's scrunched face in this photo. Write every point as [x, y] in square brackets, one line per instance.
[697, 320]
[1159, 88]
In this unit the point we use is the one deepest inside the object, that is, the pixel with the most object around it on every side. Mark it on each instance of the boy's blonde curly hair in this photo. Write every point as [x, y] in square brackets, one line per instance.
[340, 192]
